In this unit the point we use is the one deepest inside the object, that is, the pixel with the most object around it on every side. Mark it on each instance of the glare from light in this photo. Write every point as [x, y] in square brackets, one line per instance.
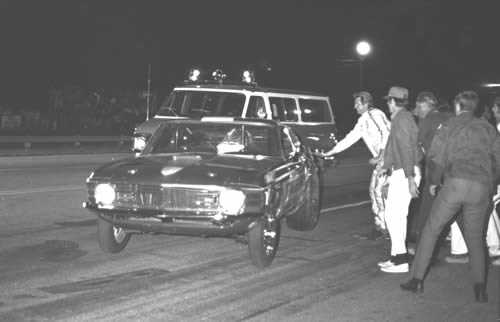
[166, 171]
[231, 201]
[491, 85]
[363, 48]
[139, 143]
[104, 194]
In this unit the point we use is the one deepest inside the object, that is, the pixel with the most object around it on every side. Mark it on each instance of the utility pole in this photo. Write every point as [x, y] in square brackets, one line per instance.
[148, 97]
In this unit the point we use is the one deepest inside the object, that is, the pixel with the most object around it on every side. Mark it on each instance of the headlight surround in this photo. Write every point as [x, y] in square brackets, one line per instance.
[104, 194]
[231, 201]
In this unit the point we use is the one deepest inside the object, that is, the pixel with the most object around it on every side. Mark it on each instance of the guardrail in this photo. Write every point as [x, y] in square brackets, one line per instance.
[77, 140]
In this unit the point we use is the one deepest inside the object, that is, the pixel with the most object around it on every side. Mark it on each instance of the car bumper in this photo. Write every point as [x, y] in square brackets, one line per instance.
[147, 222]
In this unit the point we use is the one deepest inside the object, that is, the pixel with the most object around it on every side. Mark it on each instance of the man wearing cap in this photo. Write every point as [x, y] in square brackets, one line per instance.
[373, 127]
[465, 153]
[401, 161]
[430, 118]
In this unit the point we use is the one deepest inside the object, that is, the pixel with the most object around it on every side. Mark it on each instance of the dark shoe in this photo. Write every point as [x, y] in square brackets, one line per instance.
[414, 285]
[480, 293]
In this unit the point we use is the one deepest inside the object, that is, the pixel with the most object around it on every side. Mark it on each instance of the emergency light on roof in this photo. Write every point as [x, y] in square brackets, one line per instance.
[194, 74]
[218, 75]
[248, 77]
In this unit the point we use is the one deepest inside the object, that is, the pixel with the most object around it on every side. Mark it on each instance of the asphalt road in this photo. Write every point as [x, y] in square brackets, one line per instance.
[51, 267]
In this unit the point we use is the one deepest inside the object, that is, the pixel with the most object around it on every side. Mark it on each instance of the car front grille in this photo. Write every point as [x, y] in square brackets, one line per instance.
[166, 198]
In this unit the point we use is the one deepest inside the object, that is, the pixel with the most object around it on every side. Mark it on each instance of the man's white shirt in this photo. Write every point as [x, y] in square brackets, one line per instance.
[373, 127]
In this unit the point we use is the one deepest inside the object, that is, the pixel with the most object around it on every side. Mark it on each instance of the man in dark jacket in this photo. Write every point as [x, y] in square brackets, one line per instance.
[430, 118]
[401, 160]
[466, 154]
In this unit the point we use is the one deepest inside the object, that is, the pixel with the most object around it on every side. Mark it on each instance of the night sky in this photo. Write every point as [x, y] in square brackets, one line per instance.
[436, 45]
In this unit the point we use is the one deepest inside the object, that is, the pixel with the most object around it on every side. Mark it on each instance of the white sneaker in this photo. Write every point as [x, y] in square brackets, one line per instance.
[400, 268]
[386, 263]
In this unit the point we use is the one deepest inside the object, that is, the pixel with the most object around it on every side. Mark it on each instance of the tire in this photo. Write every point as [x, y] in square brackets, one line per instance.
[263, 241]
[307, 217]
[112, 239]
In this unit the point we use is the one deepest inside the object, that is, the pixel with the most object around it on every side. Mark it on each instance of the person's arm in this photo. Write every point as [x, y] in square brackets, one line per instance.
[352, 137]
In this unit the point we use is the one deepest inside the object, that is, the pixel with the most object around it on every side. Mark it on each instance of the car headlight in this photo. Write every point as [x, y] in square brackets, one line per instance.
[104, 194]
[231, 201]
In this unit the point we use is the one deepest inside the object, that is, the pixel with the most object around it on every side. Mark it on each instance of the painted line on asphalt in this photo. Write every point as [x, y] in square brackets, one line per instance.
[42, 189]
[348, 205]
[47, 168]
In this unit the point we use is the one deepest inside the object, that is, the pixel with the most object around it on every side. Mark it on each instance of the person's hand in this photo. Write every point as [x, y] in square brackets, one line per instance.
[319, 154]
[412, 186]
[433, 189]
[373, 161]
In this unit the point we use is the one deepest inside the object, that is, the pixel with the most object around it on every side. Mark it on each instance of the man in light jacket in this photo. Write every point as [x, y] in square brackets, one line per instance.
[373, 127]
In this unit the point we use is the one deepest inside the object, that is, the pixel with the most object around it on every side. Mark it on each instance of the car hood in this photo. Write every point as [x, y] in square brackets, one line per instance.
[209, 169]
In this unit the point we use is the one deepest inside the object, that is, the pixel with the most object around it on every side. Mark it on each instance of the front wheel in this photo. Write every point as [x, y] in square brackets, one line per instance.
[263, 241]
[112, 239]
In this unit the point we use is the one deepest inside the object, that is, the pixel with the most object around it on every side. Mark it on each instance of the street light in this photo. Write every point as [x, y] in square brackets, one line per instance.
[363, 48]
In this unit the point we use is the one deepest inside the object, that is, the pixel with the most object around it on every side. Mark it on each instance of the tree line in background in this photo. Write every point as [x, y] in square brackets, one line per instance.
[74, 110]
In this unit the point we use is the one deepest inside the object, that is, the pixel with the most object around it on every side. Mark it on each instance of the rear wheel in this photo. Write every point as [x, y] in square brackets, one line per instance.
[307, 217]
[112, 239]
[263, 241]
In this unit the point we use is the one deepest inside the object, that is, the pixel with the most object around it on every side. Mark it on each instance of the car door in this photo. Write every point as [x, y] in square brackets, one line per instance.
[296, 168]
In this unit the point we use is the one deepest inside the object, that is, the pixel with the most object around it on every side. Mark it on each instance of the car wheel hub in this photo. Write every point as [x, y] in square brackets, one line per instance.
[269, 236]
[119, 234]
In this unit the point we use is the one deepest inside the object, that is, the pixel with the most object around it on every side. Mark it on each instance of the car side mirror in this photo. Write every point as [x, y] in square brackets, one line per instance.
[139, 143]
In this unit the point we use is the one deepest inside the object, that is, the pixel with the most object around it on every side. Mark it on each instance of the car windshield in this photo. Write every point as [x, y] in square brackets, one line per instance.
[220, 138]
[202, 103]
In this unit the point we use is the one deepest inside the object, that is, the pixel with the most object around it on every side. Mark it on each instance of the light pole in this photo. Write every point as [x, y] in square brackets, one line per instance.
[363, 48]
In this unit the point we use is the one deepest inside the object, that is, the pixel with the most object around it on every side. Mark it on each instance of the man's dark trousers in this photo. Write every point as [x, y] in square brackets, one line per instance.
[473, 198]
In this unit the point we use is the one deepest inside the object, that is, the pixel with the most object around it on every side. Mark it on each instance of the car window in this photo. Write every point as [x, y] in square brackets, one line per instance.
[202, 103]
[256, 107]
[314, 110]
[284, 109]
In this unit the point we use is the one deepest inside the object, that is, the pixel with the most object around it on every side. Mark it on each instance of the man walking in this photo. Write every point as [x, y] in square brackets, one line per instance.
[401, 160]
[373, 127]
[466, 153]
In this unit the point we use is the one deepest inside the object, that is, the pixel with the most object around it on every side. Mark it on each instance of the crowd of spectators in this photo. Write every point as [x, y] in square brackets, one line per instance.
[73, 110]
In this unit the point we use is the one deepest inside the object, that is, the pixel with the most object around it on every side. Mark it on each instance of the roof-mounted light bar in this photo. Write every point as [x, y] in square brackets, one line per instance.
[196, 75]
